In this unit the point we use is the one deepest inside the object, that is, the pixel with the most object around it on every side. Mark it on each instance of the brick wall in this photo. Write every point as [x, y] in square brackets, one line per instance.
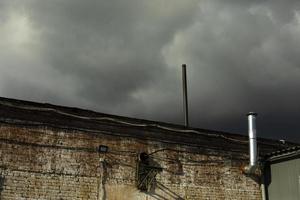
[44, 163]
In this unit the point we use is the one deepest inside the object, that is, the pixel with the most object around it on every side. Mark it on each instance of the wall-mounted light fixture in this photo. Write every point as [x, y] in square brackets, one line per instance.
[102, 149]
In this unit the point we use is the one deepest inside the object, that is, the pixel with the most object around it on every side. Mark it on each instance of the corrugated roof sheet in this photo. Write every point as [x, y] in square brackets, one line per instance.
[286, 152]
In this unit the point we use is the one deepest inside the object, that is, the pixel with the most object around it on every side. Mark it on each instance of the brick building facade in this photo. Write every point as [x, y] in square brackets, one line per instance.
[52, 152]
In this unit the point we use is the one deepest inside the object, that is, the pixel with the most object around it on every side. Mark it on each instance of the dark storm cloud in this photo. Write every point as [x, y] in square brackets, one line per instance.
[124, 57]
[243, 57]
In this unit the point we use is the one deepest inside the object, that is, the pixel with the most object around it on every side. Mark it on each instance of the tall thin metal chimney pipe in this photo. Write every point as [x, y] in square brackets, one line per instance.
[185, 97]
[252, 143]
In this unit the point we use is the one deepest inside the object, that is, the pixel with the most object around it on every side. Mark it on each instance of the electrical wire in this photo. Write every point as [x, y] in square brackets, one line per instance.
[94, 150]
[96, 133]
[185, 151]
[128, 124]
[16, 142]
[51, 173]
[123, 122]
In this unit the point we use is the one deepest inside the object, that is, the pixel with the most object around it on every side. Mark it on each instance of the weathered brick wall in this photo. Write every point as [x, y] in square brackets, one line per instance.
[41, 163]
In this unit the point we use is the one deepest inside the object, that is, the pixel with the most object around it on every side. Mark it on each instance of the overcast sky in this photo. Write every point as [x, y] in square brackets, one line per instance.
[124, 57]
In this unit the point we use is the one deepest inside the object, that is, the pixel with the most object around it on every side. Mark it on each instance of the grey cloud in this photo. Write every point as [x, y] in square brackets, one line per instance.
[112, 48]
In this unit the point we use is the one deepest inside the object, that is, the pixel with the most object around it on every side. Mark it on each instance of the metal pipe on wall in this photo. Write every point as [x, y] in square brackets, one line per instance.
[252, 143]
[252, 138]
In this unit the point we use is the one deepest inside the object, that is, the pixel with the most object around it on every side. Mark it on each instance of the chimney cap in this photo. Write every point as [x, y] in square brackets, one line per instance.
[252, 113]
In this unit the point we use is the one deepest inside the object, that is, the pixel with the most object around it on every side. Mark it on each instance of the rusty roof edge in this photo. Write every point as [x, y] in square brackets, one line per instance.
[85, 114]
